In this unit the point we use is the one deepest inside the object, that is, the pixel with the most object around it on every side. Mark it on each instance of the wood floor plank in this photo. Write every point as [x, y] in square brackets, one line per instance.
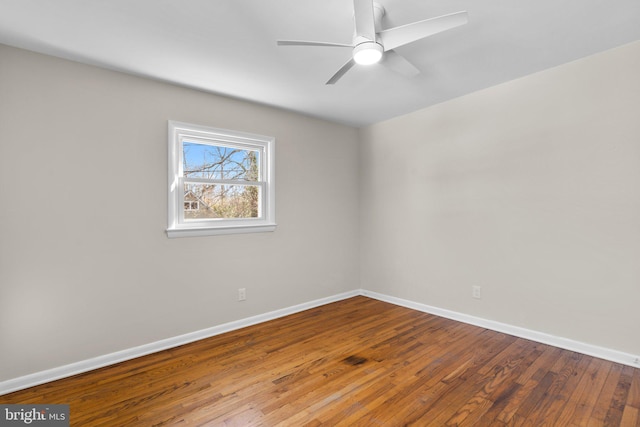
[620, 395]
[629, 416]
[634, 390]
[587, 391]
[473, 396]
[601, 407]
[547, 410]
[356, 362]
[504, 395]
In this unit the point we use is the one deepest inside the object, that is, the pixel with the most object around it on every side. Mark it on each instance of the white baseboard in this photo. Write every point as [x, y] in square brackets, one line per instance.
[564, 343]
[42, 377]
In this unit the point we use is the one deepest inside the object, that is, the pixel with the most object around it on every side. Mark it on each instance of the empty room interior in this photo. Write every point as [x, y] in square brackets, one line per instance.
[218, 213]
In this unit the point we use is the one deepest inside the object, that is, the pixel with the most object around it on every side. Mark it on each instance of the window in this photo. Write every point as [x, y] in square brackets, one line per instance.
[191, 206]
[220, 181]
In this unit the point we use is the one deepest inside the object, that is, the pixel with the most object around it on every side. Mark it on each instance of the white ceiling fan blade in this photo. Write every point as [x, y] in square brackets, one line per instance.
[399, 64]
[308, 43]
[405, 34]
[365, 21]
[341, 72]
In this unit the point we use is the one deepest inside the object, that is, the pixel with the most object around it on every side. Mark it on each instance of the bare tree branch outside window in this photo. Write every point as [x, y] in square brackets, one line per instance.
[221, 163]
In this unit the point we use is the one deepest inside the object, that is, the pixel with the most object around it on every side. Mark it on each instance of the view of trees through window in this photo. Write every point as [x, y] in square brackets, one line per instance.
[231, 199]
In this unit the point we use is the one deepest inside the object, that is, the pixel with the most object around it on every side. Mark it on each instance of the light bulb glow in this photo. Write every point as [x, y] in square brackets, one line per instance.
[367, 53]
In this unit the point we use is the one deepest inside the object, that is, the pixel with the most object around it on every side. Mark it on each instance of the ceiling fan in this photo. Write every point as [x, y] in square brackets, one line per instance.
[371, 43]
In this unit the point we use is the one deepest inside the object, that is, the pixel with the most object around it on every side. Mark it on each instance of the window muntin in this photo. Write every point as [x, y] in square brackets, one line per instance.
[220, 181]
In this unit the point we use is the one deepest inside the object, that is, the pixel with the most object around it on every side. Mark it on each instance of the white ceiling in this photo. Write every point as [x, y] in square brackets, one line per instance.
[229, 46]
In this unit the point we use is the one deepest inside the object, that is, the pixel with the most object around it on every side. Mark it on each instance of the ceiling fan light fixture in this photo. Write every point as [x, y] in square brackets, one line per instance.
[367, 53]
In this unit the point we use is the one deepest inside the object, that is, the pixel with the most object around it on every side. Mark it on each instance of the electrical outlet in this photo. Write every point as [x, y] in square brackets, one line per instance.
[242, 294]
[476, 292]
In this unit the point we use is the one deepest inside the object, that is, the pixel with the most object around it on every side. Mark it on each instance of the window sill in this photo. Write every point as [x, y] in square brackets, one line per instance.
[214, 231]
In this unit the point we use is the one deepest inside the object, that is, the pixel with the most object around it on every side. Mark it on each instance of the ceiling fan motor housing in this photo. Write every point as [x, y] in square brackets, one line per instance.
[378, 14]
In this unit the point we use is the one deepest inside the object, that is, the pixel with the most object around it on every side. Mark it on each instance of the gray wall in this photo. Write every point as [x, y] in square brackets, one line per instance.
[530, 189]
[86, 268]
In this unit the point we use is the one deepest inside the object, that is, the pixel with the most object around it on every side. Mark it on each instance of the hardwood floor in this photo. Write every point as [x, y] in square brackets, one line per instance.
[357, 362]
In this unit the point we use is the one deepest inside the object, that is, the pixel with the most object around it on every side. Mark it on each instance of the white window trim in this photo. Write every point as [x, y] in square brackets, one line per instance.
[178, 227]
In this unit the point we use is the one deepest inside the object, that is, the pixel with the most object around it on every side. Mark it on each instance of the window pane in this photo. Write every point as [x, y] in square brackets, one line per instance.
[219, 162]
[221, 201]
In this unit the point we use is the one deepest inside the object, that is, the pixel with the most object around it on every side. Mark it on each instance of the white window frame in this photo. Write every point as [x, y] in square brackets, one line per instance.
[180, 132]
